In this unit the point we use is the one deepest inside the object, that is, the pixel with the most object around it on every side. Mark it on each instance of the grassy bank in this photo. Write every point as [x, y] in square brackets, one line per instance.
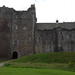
[31, 71]
[56, 57]
[58, 60]
[41, 64]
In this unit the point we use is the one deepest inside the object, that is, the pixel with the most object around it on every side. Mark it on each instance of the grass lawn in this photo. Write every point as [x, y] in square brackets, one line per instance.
[52, 57]
[57, 63]
[56, 60]
[31, 71]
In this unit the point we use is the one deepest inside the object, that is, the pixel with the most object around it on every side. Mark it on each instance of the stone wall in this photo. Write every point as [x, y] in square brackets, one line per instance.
[55, 38]
[20, 34]
[23, 31]
[44, 41]
[17, 31]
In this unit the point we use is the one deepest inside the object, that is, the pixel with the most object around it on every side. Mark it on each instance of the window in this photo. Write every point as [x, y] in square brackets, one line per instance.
[24, 28]
[16, 27]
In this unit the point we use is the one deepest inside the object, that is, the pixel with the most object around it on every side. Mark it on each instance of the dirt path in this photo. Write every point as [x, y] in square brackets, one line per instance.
[2, 64]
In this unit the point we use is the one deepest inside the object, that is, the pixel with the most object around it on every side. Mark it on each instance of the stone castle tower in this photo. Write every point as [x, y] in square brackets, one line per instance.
[21, 35]
[17, 32]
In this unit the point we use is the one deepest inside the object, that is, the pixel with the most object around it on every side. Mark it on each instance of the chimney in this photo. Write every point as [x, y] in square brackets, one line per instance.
[57, 21]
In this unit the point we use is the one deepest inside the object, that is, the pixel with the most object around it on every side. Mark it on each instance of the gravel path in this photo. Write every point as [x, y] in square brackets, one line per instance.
[2, 64]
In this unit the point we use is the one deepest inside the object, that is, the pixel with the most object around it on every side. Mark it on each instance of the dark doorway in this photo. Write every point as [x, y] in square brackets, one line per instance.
[15, 55]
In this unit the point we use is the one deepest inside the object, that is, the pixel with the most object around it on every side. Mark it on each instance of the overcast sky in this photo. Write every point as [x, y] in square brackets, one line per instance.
[46, 10]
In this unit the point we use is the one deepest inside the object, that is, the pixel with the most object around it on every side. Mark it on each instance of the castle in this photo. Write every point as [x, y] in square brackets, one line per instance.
[20, 34]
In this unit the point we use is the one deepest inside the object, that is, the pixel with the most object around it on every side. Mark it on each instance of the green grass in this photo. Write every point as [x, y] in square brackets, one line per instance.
[31, 71]
[57, 60]
[58, 63]
[53, 57]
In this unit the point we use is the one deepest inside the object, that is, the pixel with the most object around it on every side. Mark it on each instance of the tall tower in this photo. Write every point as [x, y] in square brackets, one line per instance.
[23, 32]
[17, 32]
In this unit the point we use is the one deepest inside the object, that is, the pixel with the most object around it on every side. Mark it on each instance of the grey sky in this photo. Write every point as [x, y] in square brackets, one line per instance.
[46, 10]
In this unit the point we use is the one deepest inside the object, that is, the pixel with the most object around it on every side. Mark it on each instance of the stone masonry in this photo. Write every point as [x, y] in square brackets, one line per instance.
[20, 34]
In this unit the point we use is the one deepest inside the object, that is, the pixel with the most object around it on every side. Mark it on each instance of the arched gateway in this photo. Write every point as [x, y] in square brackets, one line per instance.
[14, 55]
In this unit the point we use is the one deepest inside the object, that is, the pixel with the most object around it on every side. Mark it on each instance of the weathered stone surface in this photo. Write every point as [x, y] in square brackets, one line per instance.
[20, 34]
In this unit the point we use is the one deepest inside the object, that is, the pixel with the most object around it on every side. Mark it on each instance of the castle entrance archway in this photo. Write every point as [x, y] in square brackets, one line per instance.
[14, 55]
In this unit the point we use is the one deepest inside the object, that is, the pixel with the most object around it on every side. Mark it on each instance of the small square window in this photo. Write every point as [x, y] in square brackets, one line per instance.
[16, 27]
[24, 28]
